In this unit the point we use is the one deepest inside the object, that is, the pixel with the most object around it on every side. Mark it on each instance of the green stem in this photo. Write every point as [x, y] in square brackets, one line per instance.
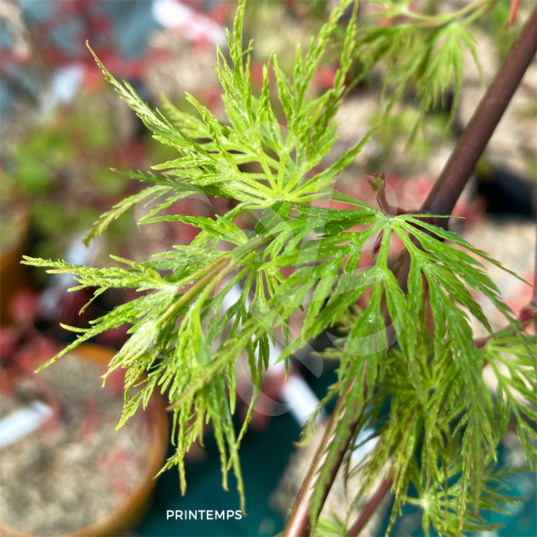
[216, 274]
[213, 273]
[439, 20]
[202, 271]
[241, 251]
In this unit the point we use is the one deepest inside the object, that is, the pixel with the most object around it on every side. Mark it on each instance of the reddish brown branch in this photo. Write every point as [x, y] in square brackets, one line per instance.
[298, 524]
[370, 507]
[534, 299]
[440, 201]
[472, 143]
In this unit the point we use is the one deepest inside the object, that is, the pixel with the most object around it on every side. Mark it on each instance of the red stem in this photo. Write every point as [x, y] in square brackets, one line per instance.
[472, 143]
[371, 507]
[534, 300]
[298, 523]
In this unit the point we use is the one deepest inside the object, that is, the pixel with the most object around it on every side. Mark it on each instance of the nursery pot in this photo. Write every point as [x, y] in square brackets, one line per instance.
[128, 513]
[13, 275]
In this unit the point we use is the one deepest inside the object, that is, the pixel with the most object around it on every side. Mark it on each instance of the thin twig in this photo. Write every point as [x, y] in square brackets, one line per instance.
[298, 523]
[371, 506]
[534, 300]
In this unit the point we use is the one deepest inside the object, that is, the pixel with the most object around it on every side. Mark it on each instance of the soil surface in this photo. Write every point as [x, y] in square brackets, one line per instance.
[75, 469]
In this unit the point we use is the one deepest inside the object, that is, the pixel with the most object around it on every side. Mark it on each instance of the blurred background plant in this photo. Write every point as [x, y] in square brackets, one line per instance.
[59, 171]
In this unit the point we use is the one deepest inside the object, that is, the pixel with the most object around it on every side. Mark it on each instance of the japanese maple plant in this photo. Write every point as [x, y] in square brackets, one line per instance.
[410, 343]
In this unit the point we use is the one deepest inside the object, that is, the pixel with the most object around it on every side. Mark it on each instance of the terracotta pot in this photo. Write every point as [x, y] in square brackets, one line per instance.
[13, 275]
[128, 513]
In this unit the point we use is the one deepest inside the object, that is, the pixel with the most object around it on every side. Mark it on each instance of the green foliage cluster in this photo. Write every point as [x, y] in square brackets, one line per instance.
[445, 444]
[433, 380]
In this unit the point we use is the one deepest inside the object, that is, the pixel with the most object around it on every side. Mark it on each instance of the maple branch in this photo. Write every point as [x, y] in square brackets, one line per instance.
[441, 201]
[371, 506]
[476, 135]
[298, 523]
[534, 299]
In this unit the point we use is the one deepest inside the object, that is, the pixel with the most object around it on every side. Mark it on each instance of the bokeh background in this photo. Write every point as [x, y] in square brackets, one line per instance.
[62, 128]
